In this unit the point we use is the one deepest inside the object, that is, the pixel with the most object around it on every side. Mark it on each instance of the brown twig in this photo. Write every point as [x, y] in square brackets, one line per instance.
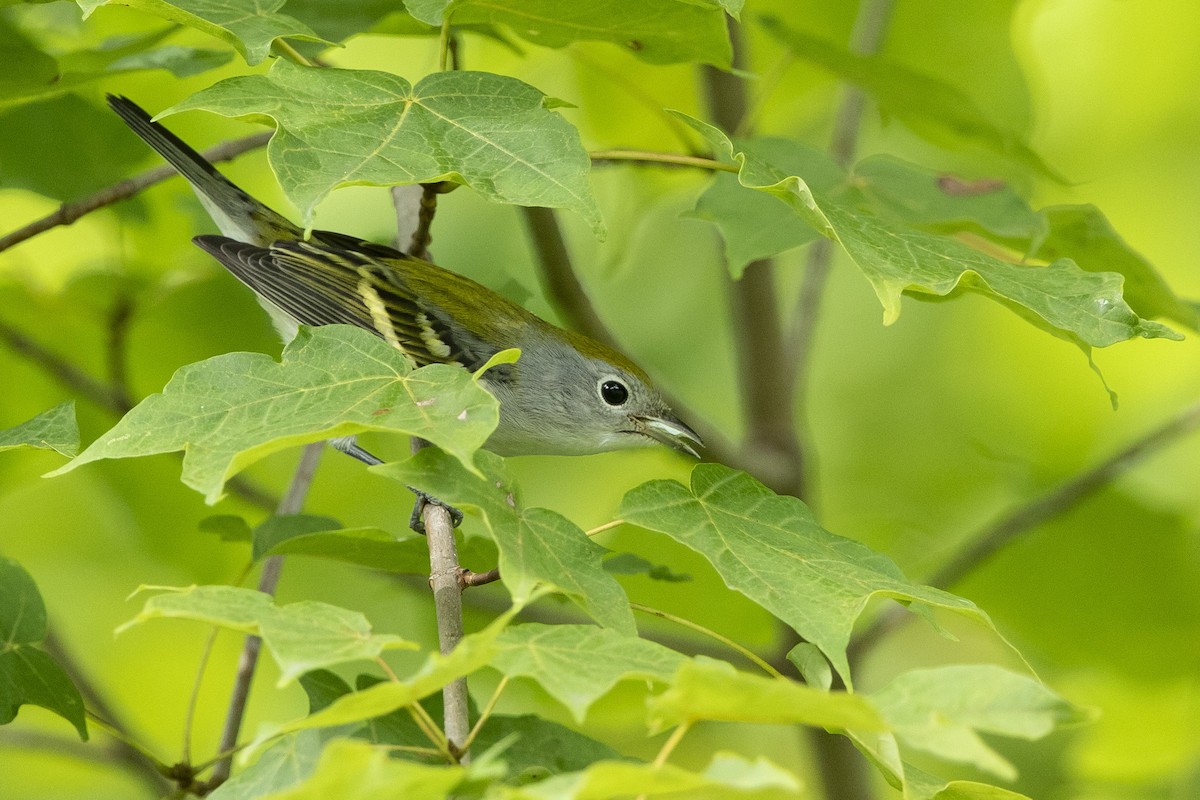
[419, 245]
[772, 449]
[1029, 516]
[291, 503]
[467, 578]
[445, 574]
[70, 212]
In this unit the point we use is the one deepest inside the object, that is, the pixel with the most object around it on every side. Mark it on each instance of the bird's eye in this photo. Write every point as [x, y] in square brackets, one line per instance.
[614, 393]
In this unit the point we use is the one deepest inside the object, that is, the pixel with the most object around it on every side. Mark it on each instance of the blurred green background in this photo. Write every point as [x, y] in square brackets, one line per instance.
[924, 431]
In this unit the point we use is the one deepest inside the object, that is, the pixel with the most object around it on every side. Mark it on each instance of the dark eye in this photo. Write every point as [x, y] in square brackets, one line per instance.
[614, 393]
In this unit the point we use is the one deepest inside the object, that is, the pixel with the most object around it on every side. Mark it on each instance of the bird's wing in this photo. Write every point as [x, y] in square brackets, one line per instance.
[317, 284]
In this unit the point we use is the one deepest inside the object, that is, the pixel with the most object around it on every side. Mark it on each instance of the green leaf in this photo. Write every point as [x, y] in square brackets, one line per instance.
[1084, 308]
[234, 409]
[752, 224]
[1085, 235]
[338, 127]
[714, 690]
[918, 196]
[942, 711]
[757, 172]
[729, 774]
[536, 547]
[657, 31]
[250, 26]
[931, 108]
[285, 763]
[366, 547]
[813, 666]
[541, 747]
[55, 430]
[471, 654]
[337, 21]
[769, 548]
[301, 636]
[89, 148]
[577, 664]
[350, 770]
[27, 674]
[182, 62]
[919, 785]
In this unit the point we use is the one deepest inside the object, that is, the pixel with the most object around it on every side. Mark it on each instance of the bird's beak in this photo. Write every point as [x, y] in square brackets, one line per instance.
[667, 429]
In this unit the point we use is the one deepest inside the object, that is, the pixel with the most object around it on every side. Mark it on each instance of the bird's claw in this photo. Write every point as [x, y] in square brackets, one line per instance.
[417, 520]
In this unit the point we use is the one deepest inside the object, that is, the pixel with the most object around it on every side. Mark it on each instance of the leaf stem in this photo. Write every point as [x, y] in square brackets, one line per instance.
[444, 44]
[487, 712]
[432, 732]
[671, 743]
[289, 52]
[189, 716]
[662, 159]
[387, 669]
[725, 640]
[616, 523]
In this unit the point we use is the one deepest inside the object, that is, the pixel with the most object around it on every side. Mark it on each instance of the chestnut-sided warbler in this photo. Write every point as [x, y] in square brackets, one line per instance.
[567, 394]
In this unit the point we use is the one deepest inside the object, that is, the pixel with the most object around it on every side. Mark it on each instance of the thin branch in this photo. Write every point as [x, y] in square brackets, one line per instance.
[63, 371]
[291, 503]
[68, 213]
[1028, 517]
[129, 756]
[418, 247]
[870, 28]
[467, 578]
[772, 448]
[444, 575]
[563, 287]
[487, 712]
[111, 398]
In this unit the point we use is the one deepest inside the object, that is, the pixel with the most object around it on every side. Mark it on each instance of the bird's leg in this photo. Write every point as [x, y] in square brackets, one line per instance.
[350, 447]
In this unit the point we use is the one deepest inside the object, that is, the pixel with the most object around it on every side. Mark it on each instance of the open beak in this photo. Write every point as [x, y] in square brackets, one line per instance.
[670, 431]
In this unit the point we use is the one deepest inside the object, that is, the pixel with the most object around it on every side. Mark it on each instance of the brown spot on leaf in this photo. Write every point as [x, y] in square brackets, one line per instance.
[957, 187]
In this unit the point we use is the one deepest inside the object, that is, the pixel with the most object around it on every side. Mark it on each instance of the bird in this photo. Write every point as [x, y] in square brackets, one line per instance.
[568, 394]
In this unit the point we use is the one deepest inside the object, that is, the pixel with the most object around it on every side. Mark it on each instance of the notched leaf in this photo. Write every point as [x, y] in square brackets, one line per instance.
[234, 409]
[343, 127]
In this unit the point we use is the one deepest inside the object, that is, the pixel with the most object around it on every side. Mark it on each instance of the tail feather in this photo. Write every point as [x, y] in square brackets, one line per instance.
[237, 214]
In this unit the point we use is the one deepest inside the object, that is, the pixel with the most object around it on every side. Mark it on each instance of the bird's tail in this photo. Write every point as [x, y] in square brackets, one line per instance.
[237, 214]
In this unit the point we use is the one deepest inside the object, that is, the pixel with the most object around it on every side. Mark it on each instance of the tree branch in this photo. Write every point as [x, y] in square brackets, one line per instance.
[772, 448]
[1028, 517]
[68, 213]
[444, 575]
[291, 503]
